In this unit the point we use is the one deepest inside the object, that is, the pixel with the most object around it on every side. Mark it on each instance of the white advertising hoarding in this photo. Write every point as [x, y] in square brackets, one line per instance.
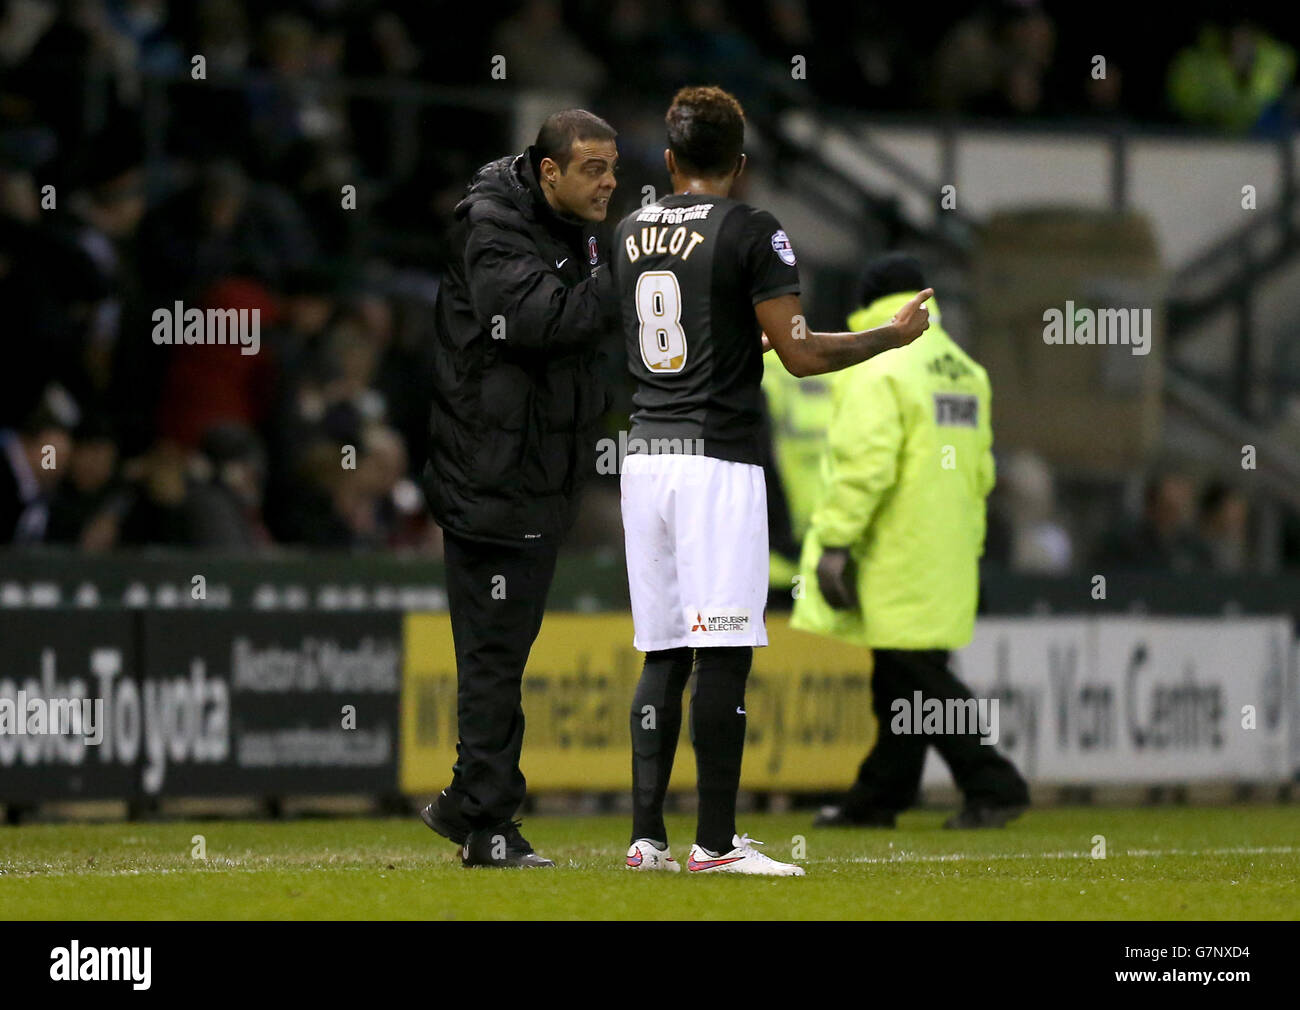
[1137, 700]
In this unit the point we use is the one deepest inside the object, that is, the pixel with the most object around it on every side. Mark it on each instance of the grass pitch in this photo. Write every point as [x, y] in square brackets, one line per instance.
[1161, 863]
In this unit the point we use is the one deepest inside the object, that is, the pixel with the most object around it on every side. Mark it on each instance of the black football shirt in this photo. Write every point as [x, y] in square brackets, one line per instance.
[690, 269]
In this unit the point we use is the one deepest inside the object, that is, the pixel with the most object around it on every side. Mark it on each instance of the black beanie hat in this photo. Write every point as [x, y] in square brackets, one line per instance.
[890, 274]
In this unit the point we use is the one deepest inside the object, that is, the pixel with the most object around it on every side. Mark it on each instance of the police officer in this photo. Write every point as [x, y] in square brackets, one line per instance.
[891, 555]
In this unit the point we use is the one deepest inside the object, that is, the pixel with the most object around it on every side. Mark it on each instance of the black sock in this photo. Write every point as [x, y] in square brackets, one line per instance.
[656, 724]
[718, 732]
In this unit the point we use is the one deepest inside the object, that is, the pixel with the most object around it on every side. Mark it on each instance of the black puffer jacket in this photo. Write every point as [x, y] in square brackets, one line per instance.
[517, 395]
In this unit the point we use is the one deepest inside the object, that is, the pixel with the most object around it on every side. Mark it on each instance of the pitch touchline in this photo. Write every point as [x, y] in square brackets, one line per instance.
[976, 857]
[902, 857]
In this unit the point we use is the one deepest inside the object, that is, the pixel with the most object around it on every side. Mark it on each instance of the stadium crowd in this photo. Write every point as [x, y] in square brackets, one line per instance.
[126, 186]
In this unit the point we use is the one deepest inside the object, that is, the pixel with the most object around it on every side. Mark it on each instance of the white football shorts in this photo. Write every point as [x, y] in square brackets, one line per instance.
[695, 529]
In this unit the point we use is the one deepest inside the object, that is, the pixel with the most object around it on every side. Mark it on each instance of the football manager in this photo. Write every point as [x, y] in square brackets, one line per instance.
[520, 314]
[891, 556]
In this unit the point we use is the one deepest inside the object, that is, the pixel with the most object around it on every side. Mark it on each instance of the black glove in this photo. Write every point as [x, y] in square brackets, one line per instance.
[837, 578]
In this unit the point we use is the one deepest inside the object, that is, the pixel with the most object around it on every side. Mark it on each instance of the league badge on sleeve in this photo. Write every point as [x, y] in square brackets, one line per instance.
[782, 247]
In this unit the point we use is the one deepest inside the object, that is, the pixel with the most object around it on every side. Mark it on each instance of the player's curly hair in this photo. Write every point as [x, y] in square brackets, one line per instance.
[706, 130]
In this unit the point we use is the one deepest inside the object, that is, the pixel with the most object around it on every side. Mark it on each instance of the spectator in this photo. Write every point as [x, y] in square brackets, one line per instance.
[153, 508]
[106, 210]
[536, 41]
[1039, 542]
[965, 63]
[220, 32]
[227, 493]
[1235, 81]
[79, 75]
[221, 224]
[287, 107]
[631, 33]
[30, 468]
[996, 62]
[209, 384]
[397, 503]
[884, 69]
[1222, 523]
[223, 35]
[178, 498]
[328, 509]
[1163, 538]
[88, 486]
[708, 38]
[144, 23]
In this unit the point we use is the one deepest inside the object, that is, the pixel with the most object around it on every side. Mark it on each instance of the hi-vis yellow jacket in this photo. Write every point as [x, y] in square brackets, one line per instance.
[907, 467]
[800, 410]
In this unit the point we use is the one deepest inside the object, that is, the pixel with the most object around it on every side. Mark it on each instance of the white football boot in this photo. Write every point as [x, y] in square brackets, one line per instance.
[646, 855]
[744, 858]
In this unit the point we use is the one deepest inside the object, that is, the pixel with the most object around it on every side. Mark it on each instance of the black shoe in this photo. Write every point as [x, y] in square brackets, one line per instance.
[502, 845]
[447, 822]
[843, 817]
[984, 816]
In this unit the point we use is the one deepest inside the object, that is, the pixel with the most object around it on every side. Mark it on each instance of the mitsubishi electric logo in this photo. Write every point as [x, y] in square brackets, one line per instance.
[721, 621]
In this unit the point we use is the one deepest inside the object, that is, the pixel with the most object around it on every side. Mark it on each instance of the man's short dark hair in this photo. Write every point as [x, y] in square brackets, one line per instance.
[559, 131]
[706, 130]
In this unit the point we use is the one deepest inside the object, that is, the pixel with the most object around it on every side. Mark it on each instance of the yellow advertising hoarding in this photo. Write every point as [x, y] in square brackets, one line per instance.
[808, 705]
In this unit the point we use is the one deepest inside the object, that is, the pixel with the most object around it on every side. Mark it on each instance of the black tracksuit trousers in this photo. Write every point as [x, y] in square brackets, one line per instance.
[890, 777]
[497, 596]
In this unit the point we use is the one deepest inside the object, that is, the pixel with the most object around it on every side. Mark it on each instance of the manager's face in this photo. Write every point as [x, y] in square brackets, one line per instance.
[582, 188]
